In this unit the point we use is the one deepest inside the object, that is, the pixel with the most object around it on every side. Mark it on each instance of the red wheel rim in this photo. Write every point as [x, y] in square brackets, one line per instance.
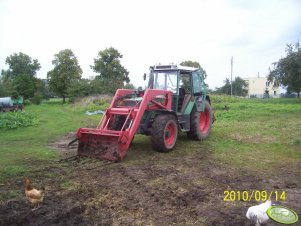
[170, 134]
[205, 121]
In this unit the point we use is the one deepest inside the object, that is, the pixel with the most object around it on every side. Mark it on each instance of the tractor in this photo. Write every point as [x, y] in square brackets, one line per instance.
[176, 100]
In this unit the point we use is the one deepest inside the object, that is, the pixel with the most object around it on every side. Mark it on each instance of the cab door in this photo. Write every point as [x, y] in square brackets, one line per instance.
[199, 90]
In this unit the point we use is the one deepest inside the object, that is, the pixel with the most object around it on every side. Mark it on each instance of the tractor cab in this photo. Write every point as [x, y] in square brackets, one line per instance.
[187, 86]
[184, 82]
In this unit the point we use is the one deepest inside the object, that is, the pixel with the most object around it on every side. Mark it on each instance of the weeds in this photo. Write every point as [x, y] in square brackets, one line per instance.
[13, 120]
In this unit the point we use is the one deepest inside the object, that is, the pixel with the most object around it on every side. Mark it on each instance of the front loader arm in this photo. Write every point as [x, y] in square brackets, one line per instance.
[109, 143]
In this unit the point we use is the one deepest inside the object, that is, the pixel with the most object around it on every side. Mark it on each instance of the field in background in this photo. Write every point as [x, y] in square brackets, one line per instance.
[257, 132]
[256, 144]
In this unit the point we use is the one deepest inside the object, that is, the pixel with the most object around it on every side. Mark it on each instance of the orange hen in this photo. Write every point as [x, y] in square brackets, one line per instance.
[33, 195]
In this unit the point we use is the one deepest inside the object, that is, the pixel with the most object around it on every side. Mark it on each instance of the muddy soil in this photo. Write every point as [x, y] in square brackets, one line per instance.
[147, 189]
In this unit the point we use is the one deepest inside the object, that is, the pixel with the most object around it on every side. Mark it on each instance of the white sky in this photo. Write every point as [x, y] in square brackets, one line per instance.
[254, 32]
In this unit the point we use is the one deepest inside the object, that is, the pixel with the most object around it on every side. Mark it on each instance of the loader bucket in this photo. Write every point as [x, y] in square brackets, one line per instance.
[94, 143]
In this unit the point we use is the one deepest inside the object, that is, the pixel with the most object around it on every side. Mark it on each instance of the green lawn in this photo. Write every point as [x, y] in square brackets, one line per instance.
[25, 149]
[260, 133]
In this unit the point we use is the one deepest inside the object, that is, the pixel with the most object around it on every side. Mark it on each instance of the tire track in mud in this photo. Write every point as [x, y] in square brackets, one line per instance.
[152, 194]
[163, 202]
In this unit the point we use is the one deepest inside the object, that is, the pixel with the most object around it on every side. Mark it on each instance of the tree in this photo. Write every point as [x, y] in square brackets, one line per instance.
[6, 84]
[194, 64]
[80, 88]
[129, 86]
[225, 89]
[239, 87]
[21, 74]
[66, 71]
[2, 90]
[287, 71]
[111, 73]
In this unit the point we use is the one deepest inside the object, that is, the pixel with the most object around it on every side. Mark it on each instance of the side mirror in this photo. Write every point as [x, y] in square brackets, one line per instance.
[144, 76]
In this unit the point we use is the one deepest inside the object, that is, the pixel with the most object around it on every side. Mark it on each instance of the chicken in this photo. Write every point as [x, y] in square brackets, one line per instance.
[258, 214]
[33, 195]
[226, 108]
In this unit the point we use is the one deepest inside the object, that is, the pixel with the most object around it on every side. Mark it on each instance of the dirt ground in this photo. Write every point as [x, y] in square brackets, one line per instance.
[147, 189]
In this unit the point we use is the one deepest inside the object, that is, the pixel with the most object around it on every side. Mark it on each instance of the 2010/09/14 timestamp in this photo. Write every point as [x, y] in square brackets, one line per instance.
[257, 195]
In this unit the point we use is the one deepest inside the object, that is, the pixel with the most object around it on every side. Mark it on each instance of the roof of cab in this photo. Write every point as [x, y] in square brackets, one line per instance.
[169, 67]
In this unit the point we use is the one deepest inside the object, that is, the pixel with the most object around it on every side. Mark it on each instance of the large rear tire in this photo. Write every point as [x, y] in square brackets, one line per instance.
[200, 123]
[164, 133]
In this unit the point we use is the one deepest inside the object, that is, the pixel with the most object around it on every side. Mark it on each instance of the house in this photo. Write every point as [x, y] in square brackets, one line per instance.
[259, 87]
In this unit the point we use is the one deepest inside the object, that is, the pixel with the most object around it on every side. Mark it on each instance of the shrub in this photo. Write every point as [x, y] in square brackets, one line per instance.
[92, 107]
[37, 98]
[13, 120]
[93, 103]
[104, 106]
[27, 102]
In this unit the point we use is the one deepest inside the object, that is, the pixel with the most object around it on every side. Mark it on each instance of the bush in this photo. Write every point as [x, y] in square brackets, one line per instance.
[92, 107]
[13, 120]
[27, 102]
[54, 101]
[99, 101]
[37, 98]
[104, 106]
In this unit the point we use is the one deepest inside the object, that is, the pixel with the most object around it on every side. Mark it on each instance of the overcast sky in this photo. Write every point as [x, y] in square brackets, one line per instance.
[254, 32]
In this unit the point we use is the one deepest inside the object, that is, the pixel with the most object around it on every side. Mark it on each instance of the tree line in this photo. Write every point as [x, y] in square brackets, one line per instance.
[65, 79]
[239, 87]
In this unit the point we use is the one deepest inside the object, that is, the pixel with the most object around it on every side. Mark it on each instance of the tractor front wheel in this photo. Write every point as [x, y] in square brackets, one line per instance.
[164, 133]
[200, 123]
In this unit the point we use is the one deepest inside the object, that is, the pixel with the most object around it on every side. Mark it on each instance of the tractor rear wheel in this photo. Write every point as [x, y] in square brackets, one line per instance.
[164, 133]
[200, 123]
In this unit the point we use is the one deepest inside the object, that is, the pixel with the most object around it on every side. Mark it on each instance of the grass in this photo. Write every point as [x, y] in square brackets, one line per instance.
[254, 133]
[261, 133]
[24, 149]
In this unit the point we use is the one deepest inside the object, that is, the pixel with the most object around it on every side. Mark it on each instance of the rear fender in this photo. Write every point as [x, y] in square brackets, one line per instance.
[200, 102]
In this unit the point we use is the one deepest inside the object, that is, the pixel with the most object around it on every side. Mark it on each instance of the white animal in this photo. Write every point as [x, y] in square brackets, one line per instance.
[258, 214]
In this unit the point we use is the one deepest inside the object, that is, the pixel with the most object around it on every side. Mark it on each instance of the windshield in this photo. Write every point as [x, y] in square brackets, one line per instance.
[166, 80]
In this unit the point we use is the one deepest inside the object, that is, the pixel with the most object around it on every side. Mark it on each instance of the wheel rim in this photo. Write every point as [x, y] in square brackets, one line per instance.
[170, 134]
[205, 121]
